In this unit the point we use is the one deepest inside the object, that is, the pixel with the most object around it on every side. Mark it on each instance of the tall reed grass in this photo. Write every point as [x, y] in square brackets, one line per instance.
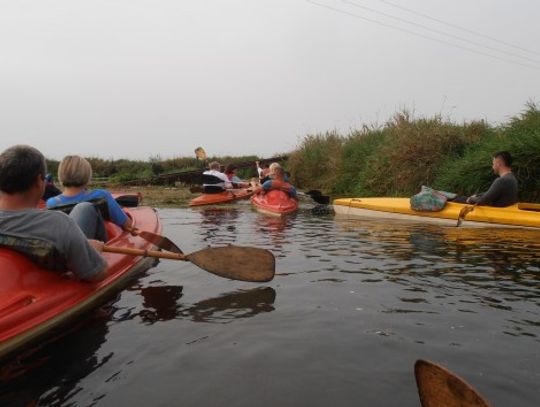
[406, 152]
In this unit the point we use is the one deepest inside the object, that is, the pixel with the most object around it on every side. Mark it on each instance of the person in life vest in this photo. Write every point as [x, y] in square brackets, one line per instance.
[278, 181]
[230, 172]
[75, 173]
[214, 181]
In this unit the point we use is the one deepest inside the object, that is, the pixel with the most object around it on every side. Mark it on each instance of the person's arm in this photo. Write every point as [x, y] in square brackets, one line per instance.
[259, 169]
[117, 214]
[100, 275]
[223, 177]
[83, 257]
[491, 195]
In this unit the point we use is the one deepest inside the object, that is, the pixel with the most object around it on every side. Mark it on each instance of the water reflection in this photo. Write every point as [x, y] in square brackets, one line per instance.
[229, 307]
[160, 303]
[49, 374]
[218, 224]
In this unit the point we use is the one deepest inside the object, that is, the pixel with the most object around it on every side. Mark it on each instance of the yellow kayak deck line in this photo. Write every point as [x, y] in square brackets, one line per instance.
[520, 215]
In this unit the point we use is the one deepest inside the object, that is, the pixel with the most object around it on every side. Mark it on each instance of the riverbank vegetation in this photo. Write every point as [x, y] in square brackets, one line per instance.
[397, 158]
[394, 159]
[123, 170]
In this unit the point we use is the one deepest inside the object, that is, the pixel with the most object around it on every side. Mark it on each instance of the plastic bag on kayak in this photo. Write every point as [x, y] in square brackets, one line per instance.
[430, 200]
[39, 251]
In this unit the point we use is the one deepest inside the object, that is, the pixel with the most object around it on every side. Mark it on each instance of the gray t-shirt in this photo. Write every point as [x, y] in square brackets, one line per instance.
[59, 229]
[503, 192]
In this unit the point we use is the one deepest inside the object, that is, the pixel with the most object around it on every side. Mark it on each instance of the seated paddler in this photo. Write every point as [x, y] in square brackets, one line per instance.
[75, 173]
[51, 238]
[504, 190]
[278, 180]
[214, 181]
[231, 173]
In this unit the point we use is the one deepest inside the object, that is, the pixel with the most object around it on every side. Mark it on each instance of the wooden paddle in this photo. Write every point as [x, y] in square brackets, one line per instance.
[438, 387]
[234, 262]
[463, 212]
[157, 240]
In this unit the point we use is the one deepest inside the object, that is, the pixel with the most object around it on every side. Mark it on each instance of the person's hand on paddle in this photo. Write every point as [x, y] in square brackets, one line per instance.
[97, 244]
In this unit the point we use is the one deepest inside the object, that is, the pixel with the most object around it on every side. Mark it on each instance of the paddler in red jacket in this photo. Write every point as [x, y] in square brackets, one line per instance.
[278, 181]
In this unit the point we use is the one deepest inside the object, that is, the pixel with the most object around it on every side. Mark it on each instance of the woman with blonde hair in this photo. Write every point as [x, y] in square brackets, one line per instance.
[75, 173]
[278, 180]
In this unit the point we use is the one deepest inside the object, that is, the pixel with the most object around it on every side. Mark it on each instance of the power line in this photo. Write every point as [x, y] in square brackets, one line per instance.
[458, 27]
[403, 20]
[393, 27]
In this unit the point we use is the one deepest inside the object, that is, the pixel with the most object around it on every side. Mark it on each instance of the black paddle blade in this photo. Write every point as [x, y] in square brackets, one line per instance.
[159, 241]
[236, 262]
[318, 197]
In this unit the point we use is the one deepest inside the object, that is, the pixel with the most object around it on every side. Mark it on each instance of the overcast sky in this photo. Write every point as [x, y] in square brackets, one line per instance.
[135, 78]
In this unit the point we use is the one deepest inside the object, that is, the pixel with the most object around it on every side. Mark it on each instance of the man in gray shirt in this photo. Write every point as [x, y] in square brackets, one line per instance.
[22, 182]
[504, 190]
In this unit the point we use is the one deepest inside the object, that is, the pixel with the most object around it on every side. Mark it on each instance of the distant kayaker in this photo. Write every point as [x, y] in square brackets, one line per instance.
[50, 189]
[214, 181]
[278, 181]
[75, 173]
[263, 171]
[230, 172]
[504, 190]
[27, 229]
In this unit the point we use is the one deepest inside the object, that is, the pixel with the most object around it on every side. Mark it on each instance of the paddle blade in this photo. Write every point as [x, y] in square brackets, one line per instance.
[236, 262]
[438, 387]
[463, 212]
[159, 241]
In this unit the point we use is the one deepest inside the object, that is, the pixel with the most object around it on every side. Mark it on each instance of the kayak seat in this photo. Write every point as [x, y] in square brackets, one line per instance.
[129, 200]
[99, 204]
[40, 251]
[212, 184]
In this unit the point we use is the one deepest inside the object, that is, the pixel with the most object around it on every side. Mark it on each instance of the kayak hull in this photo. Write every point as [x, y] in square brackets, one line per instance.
[222, 197]
[275, 203]
[399, 208]
[34, 301]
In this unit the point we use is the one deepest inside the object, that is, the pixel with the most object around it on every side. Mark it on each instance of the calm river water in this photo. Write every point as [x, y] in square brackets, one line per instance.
[354, 304]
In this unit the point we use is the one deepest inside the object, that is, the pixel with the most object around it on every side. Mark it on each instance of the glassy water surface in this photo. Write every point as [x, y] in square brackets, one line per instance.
[353, 305]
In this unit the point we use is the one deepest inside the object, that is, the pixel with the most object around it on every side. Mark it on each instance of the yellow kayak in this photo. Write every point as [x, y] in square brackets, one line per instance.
[520, 215]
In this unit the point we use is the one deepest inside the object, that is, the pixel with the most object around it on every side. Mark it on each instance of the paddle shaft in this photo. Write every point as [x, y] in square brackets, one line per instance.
[159, 241]
[145, 253]
[233, 262]
[463, 212]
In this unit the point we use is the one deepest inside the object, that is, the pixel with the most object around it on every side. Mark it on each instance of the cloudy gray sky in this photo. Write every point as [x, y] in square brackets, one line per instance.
[134, 78]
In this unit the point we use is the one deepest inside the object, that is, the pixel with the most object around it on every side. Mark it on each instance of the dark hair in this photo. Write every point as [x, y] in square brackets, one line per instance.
[505, 156]
[19, 167]
[265, 166]
[230, 168]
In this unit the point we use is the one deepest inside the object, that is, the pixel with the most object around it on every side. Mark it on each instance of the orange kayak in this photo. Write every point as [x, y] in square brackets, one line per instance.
[222, 197]
[33, 301]
[275, 202]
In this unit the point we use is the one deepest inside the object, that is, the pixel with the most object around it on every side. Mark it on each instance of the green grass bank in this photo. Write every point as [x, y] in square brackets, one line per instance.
[397, 158]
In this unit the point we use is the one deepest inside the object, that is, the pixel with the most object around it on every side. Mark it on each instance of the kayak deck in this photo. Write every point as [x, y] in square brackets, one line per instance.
[275, 202]
[399, 208]
[34, 301]
[221, 197]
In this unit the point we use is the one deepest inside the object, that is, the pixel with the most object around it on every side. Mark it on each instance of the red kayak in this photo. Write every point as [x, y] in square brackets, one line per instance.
[33, 300]
[275, 202]
[222, 197]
